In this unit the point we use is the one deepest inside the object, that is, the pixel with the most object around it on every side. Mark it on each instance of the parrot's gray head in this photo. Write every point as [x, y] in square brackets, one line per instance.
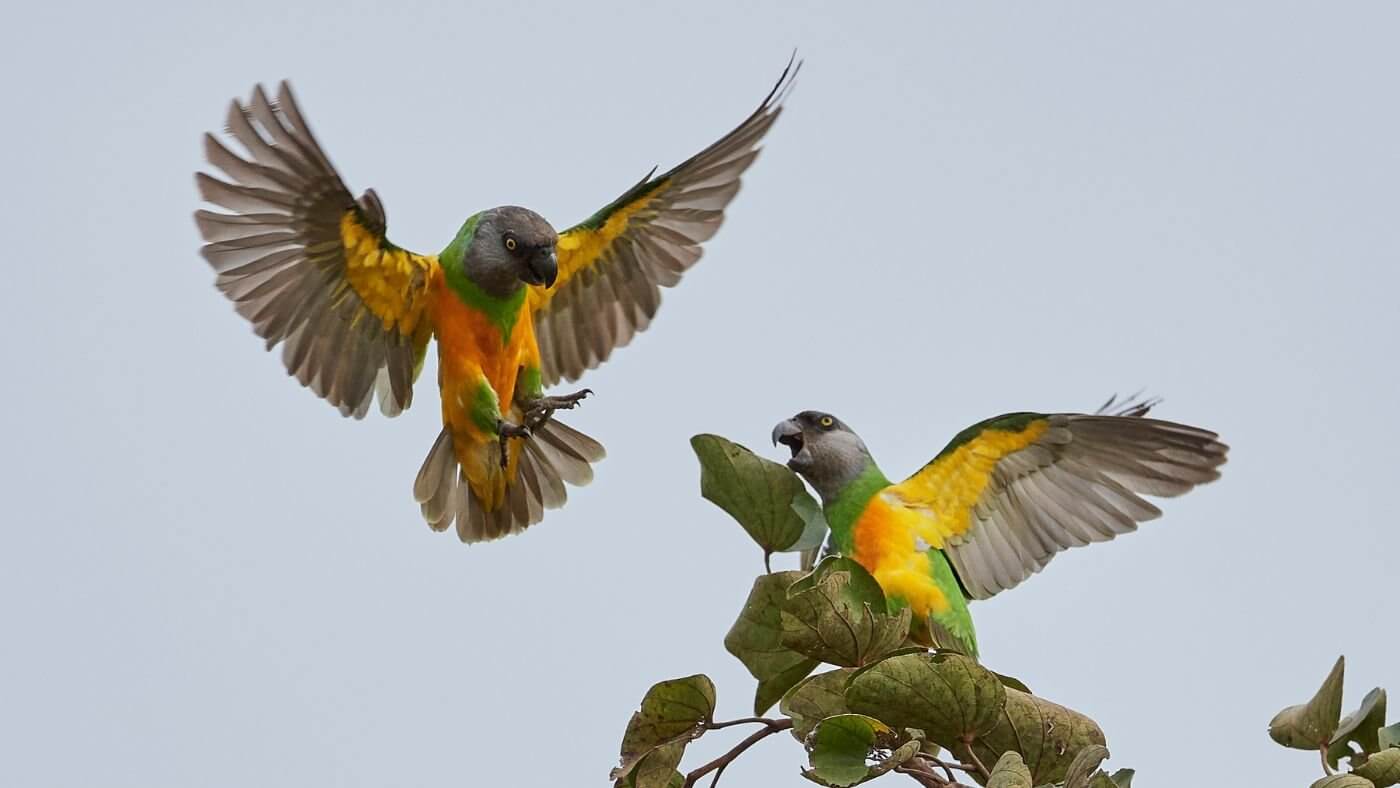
[511, 245]
[825, 452]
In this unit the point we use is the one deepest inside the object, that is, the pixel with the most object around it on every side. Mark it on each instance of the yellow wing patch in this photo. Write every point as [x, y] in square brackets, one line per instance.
[583, 246]
[951, 485]
[390, 281]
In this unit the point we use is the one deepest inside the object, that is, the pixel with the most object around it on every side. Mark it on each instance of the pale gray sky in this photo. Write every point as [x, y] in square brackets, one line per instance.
[210, 578]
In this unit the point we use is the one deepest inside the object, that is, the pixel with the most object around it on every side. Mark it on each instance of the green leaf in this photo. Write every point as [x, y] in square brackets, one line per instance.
[1343, 781]
[1361, 726]
[657, 769]
[757, 640]
[1014, 683]
[1382, 769]
[756, 492]
[1047, 735]
[814, 528]
[842, 746]
[1084, 765]
[1123, 778]
[814, 699]
[1010, 772]
[672, 712]
[838, 615]
[1388, 737]
[1309, 726]
[948, 696]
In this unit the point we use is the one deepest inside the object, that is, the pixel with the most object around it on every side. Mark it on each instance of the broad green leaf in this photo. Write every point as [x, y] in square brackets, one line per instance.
[838, 615]
[1382, 769]
[1309, 726]
[657, 769]
[1388, 737]
[840, 747]
[1123, 778]
[1361, 726]
[672, 712]
[1343, 781]
[756, 492]
[1047, 735]
[814, 527]
[864, 587]
[1010, 772]
[757, 640]
[950, 697]
[1014, 683]
[1084, 765]
[814, 699]
[677, 781]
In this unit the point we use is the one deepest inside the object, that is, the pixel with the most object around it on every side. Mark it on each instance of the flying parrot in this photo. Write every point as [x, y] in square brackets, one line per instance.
[1001, 499]
[514, 306]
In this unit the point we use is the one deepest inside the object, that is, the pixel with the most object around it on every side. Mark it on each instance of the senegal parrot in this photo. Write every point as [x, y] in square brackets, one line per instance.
[1001, 499]
[514, 306]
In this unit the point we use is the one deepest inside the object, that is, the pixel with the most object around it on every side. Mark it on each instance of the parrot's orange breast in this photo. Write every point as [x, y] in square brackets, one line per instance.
[886, 541]
[471, 345]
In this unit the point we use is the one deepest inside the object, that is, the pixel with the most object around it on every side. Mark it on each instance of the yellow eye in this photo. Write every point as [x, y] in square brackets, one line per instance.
[826, 421]
[510, 243]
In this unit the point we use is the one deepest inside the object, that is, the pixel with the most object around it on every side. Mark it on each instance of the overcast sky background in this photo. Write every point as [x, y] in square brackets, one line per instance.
[210, 578]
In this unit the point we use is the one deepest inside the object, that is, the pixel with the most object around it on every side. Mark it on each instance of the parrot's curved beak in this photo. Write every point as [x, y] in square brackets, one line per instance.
[789, 434]
[543, 267]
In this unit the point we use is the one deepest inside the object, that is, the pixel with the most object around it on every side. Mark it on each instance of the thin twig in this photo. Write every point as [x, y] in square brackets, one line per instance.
[714, 726]
[770, 727]
[948, 766]
[977, 762]
[926, 779]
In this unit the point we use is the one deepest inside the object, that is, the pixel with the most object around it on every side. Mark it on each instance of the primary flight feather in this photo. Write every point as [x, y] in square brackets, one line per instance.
[514, 306]
[997, 503]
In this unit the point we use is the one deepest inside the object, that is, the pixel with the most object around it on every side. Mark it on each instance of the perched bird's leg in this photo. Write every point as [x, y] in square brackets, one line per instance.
[507, 431]
[538, 411]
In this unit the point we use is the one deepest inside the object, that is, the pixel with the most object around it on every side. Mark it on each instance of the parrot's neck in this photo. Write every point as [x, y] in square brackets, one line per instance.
[500, 304]
[843, 506]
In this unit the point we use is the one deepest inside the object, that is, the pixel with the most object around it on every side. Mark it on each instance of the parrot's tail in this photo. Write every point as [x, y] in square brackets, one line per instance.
[553, 455]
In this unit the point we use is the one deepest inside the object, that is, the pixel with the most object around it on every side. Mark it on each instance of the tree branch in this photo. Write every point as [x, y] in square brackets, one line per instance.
[977, 762]
[714, 726]
[770, 727]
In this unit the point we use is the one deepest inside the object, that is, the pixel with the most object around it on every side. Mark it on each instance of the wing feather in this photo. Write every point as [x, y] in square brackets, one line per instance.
[308, 265]
[1010, 493]
[613, 265]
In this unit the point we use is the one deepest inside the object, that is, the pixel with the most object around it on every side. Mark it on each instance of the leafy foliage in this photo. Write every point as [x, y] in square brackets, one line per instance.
[757, 640]
[672, 713]
[766, 498]
[838, 615]
[886, 706]
[1309, 726]
[1317, 725]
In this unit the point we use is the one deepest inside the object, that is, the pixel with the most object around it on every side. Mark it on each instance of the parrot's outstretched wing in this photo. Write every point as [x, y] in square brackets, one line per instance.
[613, 265]
[308, 265]
[1009, 493]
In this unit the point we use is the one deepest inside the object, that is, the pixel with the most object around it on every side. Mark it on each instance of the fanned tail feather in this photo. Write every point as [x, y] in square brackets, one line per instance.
[554, 455]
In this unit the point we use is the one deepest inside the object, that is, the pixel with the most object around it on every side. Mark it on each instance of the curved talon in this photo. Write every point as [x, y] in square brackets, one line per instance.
[539, 411]
[507, 430]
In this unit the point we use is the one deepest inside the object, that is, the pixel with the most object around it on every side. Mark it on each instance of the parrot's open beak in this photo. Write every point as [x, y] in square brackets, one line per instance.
[789, 433]
[543, 267]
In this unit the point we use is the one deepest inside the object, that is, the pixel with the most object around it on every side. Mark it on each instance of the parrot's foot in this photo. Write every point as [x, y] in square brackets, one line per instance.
[538, 411]
[507, 431]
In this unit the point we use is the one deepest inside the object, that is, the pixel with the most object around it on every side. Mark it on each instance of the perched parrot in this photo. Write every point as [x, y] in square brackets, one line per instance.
[1001, 499]
[514, 306]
